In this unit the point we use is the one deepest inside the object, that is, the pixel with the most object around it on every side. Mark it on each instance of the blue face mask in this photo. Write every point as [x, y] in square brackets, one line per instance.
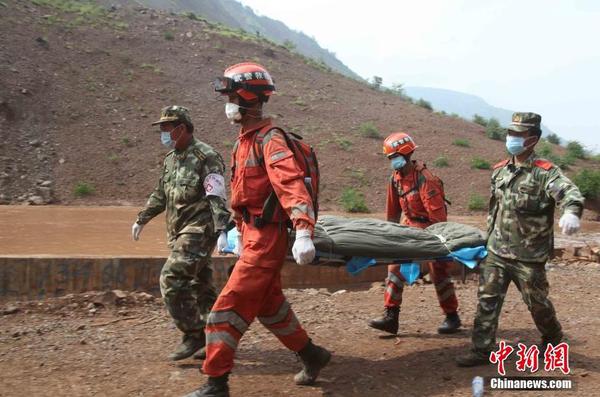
[165, 138]
[398, 163]
[515, 144]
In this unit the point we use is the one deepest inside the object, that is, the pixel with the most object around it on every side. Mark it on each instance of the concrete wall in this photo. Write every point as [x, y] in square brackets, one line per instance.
[27, 278]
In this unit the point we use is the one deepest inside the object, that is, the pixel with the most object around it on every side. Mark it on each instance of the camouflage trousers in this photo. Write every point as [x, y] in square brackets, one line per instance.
[186, 282]
[495, 275]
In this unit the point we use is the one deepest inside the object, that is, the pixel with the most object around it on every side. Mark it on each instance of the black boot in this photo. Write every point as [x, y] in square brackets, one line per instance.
[214, 387]
[389, 321]
[450, 325]
[201, 354]
[188, 346]
[314, 358]
[553, 340]
[473, 359]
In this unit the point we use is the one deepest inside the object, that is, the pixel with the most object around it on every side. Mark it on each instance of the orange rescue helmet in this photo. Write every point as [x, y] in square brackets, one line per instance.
[398, 143]
[249, 80]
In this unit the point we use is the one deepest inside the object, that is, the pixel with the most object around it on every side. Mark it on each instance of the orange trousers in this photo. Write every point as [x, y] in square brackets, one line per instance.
[444, 288]
[253, 290]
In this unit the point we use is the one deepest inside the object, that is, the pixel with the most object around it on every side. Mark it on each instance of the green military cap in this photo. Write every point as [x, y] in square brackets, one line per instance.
[174, 113]
[523, 121]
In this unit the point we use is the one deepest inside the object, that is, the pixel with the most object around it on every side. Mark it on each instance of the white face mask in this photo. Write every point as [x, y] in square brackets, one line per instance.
[232, 111]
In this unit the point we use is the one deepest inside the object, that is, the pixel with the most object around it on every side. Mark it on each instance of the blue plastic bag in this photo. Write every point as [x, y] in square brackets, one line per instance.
[410, 272]
[232, 241]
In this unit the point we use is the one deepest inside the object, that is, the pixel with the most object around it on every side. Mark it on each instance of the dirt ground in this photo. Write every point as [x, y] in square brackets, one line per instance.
[72, 346]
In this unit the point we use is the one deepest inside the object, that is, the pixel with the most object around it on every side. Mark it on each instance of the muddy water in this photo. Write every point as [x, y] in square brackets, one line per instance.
[106, 231]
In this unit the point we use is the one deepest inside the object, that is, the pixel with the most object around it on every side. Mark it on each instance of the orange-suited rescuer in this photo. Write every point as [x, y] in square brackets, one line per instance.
[416, 195]
[261, 163]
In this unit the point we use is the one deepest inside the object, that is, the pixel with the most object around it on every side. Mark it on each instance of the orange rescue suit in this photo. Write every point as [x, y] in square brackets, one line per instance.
[419, 196]
[254, 287]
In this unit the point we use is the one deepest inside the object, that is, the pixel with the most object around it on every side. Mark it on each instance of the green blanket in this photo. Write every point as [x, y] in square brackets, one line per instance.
[373, 238]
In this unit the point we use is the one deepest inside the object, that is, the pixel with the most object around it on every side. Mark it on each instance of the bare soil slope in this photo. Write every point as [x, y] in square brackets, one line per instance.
[79, 87]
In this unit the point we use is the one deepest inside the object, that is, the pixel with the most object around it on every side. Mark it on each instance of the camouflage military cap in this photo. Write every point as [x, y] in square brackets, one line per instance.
[523, 121]
[174, 113]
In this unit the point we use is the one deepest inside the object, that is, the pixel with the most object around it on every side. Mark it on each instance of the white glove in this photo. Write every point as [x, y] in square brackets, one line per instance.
[136, 229]
[222, 242]
[239, 246]
[569, 223]
[303, 249]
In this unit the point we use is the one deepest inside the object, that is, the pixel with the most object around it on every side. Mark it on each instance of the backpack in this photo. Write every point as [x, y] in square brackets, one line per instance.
[423, 174]
[306, 158]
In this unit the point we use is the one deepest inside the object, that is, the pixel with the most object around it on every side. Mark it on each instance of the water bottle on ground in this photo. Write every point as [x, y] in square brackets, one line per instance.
[477, 386]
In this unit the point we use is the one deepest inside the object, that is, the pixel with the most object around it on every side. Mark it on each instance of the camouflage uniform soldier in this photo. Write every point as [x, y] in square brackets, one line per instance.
[191, 189]
[524, 192]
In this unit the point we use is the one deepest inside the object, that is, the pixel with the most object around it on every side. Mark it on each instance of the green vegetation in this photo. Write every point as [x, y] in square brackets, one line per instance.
[289, 45]
[576, 150]
[476, 202]
[152, 67]
[461, 142]
[455, 115]
[127, 142]
[588, 182]
[343, 143]
[494, 130]
[553, 138]
[480, 164]
[562, 162]
[299, 102]
[83, 189]
[369, 130]
[376, 82]
[168, 35]
[113, 157]
[544, 148]
[482, 121]
[194, 17]
[85, 12]
[441, 162]
[353, 201]
[424, 104]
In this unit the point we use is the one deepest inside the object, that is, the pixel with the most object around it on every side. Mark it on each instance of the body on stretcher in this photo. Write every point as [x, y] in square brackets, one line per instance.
[409, 267]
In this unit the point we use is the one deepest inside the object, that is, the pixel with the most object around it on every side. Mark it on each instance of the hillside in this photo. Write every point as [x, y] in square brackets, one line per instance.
[465, 105]
[79, 88]
[237, 16]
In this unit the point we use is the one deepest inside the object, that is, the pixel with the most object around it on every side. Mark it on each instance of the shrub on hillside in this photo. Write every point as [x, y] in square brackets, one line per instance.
[482, 121]
[494, 130]
[553, 138]
[169, 35]
[576, 150]
[588, 181]
[461, 142]
[480, 164]
[353, 201]
[369, 130]
[544, 149]
[441, 162]
[476, 202]
[83, 189]
[424, 104]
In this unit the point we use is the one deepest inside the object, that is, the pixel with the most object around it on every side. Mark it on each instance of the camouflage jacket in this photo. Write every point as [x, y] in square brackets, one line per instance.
[521, 212]
[180, 191]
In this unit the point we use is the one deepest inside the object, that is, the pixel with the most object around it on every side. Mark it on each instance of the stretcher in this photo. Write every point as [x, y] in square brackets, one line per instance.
[358, 243]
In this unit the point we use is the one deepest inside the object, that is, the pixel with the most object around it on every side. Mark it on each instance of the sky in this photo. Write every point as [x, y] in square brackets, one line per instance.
[527, 55]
